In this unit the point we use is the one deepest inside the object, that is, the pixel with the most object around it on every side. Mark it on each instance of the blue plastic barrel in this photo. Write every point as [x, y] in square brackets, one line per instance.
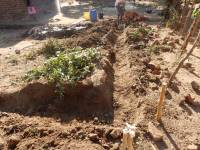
[93, 15]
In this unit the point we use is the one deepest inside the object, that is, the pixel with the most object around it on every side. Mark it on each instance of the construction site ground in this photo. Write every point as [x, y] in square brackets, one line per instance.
[135, 71]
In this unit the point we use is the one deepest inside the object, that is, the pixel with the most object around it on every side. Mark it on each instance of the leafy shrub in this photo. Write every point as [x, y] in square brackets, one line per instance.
[138, 34]
[69, 66]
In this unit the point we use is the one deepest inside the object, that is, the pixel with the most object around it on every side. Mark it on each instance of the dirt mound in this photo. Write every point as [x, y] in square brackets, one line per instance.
[56, 31]
[90, 96]
[92, 37]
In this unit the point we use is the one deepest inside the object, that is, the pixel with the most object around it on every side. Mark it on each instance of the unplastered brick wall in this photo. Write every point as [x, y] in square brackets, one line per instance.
[12, 10]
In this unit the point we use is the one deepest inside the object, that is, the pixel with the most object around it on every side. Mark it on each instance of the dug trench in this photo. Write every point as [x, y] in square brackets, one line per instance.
[91, 96]
[94, 95]
[113, 93]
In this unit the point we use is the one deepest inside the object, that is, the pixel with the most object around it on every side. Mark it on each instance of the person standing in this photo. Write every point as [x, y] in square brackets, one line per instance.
[31, 9]
[120, 7]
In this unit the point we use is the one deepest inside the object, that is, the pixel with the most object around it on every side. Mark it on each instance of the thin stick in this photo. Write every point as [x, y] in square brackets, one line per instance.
[193, 27]
[160, 103]
[183, 60]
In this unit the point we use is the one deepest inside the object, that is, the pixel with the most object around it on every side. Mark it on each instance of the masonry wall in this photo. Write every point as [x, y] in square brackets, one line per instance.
[12, 10]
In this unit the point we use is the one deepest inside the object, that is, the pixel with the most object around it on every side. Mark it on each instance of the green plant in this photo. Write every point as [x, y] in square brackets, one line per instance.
[153, 49]
[51, 47]
[68, 67]
[138, 34]
[196, 12]
[32, 54]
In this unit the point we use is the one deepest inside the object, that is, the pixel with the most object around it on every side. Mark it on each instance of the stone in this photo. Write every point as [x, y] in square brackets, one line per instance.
[116, 133]
[195, 86]
[17, 51]
[172, 44]
[190, 99]
[93, 137]
[192, 147]
[153, 86]
[156, 134]
[96, 119]
[13, 141]
[177, 41]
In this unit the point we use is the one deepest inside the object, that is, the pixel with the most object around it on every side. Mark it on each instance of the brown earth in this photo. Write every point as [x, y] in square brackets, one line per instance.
[131, 80]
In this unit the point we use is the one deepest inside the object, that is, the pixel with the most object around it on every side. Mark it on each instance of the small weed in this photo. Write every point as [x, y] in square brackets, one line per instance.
[68, 67]
[51, 47]
[32, 55]
[153, 49]
[138, 34]
[195, 12]
[31, 132]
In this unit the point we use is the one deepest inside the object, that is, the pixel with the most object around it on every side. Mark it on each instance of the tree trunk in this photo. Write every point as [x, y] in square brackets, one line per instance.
[193, 27]
[183, 60]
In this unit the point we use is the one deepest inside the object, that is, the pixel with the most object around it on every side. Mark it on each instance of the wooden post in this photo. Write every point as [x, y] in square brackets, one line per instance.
[127, 142]
[160, 103]
[183, 60]
[193, 27]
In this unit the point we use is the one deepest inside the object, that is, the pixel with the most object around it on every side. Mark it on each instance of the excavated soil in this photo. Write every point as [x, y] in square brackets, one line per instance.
[125, 88]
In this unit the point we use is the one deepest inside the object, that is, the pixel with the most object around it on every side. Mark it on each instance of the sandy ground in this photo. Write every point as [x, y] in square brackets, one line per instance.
[180, 122]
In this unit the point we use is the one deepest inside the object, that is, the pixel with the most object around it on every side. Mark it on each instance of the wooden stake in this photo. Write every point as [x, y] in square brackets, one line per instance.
[193, 27]
[160, 103]
[127, 142]
[183, 60]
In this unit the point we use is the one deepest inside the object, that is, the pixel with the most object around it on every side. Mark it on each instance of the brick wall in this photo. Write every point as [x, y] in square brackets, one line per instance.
[12, 10]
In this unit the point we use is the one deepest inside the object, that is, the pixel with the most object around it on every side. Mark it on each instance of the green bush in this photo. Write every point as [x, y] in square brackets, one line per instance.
[68, 67]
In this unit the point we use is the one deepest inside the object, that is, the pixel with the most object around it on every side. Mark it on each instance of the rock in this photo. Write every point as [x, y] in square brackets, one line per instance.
[190, 100]
[13, 141]
[2, 143]
[106, 146]
[165, 40]
[177, 41]
[195, 86]
[93, 137]
[172, 44]
[17, 51]
[116, 133]
[153, 86]
[156, 134]
[165, 48]
[192, 147]
[115, 146]
[96, 119]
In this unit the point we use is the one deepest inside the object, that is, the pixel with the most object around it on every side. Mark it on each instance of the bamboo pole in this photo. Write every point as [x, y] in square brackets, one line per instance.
[193, 27]
[161, 101]
[183, 60]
